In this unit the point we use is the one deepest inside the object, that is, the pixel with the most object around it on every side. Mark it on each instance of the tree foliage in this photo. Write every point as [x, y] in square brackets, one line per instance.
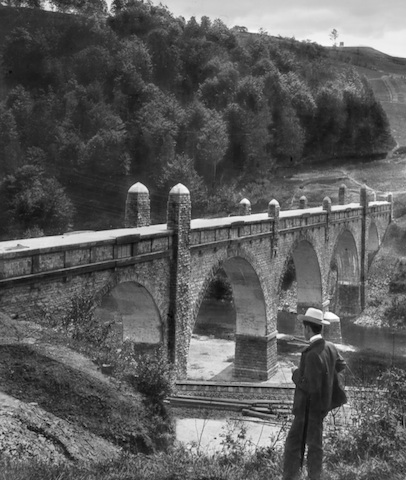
[142, 92]
[33, 200]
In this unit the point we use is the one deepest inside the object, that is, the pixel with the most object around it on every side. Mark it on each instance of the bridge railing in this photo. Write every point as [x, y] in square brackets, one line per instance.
[80, 252]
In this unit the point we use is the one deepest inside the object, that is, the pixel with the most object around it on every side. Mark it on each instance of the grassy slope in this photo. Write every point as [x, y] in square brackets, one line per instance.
[387, 76]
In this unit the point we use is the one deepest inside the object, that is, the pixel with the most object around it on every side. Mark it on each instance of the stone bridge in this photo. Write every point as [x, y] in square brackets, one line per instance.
[153, 278]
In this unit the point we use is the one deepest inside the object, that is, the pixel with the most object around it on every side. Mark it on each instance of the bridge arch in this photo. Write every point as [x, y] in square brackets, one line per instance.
[247, 291]
[344, 275]
[250, 308]
[304, 260]
[302, 274]
[132, 314]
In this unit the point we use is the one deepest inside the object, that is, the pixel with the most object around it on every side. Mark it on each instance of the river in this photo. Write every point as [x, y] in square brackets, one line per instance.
[369, 350]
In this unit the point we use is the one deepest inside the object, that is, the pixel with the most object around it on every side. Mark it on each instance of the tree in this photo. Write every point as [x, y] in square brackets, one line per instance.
[159, 123]
[80, 6]
[207, 139]
[181, 169]
[20, 104]
[34, 201]
[217, 90]
[258, 123]
[23, 3]
[91, 64]
[9, 146]
[25, 56]
[334, 36]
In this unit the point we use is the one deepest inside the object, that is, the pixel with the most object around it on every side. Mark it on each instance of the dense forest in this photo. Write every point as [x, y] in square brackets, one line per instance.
[139, 93]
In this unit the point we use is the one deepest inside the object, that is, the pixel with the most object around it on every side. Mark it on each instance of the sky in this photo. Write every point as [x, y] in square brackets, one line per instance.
[379, 24]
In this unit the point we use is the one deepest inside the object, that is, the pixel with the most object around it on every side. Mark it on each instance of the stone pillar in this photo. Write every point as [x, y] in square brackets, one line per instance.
[274, 209]
[137, 207]
[273, 212]
[363, 202]
[286, 320]
[363, 197]
[179, 321]
[327, 208]
[303, 202]
[327, 204]
[389, 198]
[255, 357]
[244, 207]
[342, 195]
[348, 298]
[332, 332]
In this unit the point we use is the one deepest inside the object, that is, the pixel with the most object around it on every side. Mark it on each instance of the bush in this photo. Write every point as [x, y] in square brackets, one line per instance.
[154, 376]
[81, 323]
[375, 443]
[220, 288]
[395, 314]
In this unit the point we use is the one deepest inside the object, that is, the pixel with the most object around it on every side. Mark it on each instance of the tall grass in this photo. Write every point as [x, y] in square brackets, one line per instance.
[370, 447]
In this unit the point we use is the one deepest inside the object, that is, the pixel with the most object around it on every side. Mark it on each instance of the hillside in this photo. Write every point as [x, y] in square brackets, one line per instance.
[31, 18]
[103, 103]
[386, 75]
[56, 405]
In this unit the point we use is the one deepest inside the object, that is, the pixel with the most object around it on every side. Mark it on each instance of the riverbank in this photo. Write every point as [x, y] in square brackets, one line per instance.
[386, 288]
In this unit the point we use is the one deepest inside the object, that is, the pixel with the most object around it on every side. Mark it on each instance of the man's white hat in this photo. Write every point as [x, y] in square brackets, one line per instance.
[313, 315]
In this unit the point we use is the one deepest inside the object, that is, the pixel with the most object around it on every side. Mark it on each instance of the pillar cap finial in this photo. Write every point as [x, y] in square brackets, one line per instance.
[138, 188]
[179, 189]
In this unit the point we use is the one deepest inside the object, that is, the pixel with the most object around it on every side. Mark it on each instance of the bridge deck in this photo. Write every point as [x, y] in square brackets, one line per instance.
[88, 237]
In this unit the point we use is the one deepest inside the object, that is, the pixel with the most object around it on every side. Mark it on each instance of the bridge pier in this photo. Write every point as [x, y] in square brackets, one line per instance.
[348, 298]
[255, 357]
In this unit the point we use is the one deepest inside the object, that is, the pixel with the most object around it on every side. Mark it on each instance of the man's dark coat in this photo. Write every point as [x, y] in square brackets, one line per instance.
[318, 380]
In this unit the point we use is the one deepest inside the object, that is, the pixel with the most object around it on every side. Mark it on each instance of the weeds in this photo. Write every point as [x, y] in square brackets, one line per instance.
[395, 314]
[80, 322]
[374, 445]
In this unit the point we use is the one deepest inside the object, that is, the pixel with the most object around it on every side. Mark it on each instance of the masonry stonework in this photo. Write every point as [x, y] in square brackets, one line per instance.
[175, 262]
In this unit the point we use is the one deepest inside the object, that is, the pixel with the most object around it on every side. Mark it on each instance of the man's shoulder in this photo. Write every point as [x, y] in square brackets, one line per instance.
[321, 345]
[330, 345]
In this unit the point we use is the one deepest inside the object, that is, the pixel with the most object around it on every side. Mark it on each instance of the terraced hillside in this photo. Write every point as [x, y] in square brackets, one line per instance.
[387, 76]
[391, 91]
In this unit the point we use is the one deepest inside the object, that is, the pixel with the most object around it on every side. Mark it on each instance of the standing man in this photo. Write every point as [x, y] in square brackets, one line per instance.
[317, 392]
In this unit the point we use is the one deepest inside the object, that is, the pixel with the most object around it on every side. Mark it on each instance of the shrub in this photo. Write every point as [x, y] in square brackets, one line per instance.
[81, 323]
[395, 314]
[154, 376]
[378, 436]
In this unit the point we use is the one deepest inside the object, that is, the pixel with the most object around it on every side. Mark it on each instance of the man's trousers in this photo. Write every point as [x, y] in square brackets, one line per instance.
[306, 429]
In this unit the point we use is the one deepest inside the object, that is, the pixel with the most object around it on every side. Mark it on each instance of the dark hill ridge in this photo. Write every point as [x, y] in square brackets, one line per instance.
[386, 74]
